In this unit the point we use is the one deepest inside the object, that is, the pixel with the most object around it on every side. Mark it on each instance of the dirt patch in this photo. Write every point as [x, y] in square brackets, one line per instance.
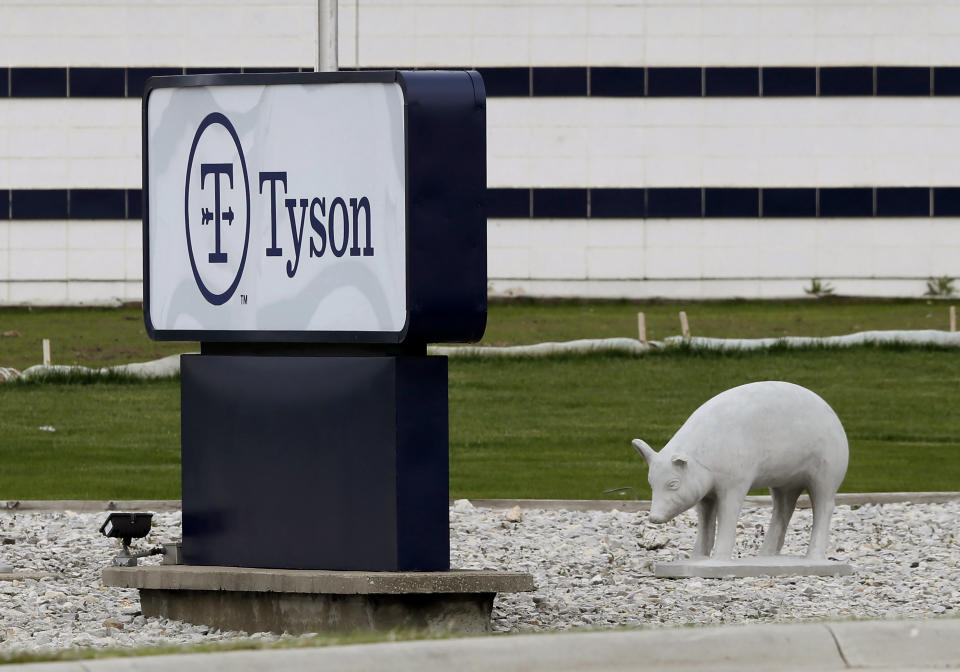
[105, 354]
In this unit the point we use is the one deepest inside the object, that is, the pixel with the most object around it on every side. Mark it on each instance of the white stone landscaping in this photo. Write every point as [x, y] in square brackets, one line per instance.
[593, 569]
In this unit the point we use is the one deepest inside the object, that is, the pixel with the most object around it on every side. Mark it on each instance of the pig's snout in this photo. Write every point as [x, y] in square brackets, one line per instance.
[665, 508]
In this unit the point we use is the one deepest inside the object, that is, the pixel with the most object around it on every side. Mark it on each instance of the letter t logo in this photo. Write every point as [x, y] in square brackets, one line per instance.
[217, 169]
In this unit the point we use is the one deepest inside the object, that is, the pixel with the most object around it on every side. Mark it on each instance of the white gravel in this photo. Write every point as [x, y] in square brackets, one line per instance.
[592, 569]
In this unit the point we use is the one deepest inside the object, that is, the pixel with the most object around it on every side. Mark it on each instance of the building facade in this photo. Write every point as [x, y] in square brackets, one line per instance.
[688, 149]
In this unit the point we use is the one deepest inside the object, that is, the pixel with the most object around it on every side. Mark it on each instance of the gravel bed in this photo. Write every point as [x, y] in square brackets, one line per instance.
[592, 570]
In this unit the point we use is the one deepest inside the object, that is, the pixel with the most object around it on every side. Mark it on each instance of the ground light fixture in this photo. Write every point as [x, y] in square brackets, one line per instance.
[127, 527]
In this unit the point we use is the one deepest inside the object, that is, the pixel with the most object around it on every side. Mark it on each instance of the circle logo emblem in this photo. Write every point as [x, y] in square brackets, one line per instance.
[217, 209]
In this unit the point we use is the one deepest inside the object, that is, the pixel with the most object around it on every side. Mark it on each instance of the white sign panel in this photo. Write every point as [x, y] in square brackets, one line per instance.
[278, 208]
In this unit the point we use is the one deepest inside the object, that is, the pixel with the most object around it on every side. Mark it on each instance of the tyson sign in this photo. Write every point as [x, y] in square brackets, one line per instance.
[329, 207]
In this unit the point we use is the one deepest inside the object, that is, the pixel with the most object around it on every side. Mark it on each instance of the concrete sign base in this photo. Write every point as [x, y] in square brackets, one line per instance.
[775, 565]
[301, 601]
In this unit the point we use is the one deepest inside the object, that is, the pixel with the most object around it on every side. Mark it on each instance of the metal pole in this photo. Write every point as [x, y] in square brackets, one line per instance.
[327, 36]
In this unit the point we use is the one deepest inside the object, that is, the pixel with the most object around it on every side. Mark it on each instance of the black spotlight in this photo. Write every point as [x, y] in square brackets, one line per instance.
[127, 527]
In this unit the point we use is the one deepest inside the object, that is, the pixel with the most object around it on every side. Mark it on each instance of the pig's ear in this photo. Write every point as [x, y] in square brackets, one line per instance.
[679, 460]
[645, 450]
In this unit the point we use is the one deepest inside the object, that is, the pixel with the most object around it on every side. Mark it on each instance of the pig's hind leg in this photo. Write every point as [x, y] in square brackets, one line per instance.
[784, 502]
[823, 500]
[706, 526]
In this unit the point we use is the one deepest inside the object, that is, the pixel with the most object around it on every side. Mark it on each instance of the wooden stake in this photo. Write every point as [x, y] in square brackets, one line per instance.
[953, 318]
[642, 327]
[46, 352]
[684, 325]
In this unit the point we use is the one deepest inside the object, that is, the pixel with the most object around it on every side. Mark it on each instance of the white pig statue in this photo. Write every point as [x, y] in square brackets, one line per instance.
[771, 434]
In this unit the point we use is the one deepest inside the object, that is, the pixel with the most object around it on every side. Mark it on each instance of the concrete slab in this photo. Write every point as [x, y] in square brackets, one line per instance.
[191, 577]
[89, 505]
[808, 646]
[733, 648]
[777, 565]
[300, 601]
[933, 643]
[20, 576]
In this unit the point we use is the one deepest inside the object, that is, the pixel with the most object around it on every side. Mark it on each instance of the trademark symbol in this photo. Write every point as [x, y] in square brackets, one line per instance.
[243, 299]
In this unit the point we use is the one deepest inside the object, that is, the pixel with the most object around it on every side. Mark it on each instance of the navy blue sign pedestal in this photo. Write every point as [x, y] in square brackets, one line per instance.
[315, 462]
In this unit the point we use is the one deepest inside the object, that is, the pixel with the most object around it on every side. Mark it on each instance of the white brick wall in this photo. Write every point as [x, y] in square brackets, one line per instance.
[699, 289]
[144, 33]
[556, 142]
[69, 143]
[51, 262]
[658, 33]
[749, 142]
[771, 257]
[540, 142]
[453, 32]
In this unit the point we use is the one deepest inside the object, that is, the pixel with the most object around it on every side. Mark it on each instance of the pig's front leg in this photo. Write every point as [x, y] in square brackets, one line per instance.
[728, 506]
[706, 526]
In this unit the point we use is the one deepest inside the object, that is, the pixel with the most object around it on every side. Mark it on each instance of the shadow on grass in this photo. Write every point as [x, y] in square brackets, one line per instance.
[87, 378]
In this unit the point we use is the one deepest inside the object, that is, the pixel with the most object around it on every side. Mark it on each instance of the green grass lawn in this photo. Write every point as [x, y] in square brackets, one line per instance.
[544, 428]
[90, 336]
[112, 441]
[527, 321]
[562, 428]
[107, 336]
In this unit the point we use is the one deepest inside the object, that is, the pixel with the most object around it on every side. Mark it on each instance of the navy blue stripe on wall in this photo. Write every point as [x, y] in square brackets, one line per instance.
[573, 203]
[133, 204]
[98, 204]
[559, 82]
[618, 203]
[212, 71]
[852, 81]
[137, 77]
[674, 202]
[904, 81]
[508, 203]
[559, 203]
[674, 82]
[38, 82]
[946, 81]
[554, 81]
[789, 81]
[946, 201]
[70, 203]
[732, 82]
[846, 202]
[789, 202]
[727, 202]
[617, 82]
[38, 204]
[903, 202]
[720, 202]
[513, 82]
[97, 83]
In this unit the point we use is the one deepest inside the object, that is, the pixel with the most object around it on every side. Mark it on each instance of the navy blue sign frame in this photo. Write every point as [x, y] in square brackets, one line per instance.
[446, 232]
